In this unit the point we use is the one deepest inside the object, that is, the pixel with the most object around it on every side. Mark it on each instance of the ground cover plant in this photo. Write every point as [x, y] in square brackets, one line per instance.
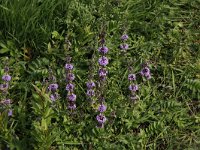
[91, 74]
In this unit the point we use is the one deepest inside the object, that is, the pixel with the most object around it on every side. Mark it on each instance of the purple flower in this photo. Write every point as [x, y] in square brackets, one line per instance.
[102, 72]
[70, 76]
[6, 69]
[69, 66]
[103, 61]
[69, 87]
[72, 97]
[90, 92]
[102, 108]
[54, 97]
[103, 49]
[145, 71]
[90, 84]
[6, 78]
[133, 87]
[4, 86]
[10, 112]
[101, 118]
[124, 46]
[72, 106]
[53, 87]
[124, 37]
[131, 77]
[6, 102]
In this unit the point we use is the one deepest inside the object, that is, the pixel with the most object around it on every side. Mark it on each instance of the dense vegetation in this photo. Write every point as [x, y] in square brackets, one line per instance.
[36, 36]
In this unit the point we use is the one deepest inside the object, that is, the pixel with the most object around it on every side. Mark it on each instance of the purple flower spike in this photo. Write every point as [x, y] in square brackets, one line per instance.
[53, 87]
[124, 37]
[72, 97]
[90, 92]
[70, 76]
[72, 106]
[131, 77]
[103, 49]
[90, 84]
[102, 108]
[145, 71]
[101, 118]
[10, 112]
[133, 87]
[69, 87]
[123, 46]
[103, 61]
[69, 66]
[6, 78]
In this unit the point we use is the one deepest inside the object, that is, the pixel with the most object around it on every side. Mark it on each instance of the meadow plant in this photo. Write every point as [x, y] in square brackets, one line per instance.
[103, 61]
[71, 97]
[133, 87]
[4, 87]
[124, 46]
[165, 117]
[53, 86]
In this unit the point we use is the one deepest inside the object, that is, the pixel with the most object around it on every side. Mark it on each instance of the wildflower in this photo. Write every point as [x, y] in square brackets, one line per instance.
[54, 97]
[90, 84]
[124, 37]
[133, 87]
[69, 87]
[6, 78]
[103, 61]
[4, 87]
[90, 92]
[102, 108]
[69, 66]
[6, 102]
[72, 106]
[131, 77]
[10, 112]
[102, 72]
[53, 87]
[101, 118]
[70, 76]
[102, 41]
[72, 97]
[124, 46]
[103, 49]
[145, 71]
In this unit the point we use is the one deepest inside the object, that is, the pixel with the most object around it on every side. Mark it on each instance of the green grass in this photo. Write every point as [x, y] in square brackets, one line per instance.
[164, 33]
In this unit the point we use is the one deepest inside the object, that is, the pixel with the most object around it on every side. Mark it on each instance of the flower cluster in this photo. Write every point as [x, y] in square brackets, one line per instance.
[6, 102]
[103, 61]
[71, 97]
[101, 119]
[90, 89]
[52, 88]
[124, 46]
[133, 87]
[146, 71]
